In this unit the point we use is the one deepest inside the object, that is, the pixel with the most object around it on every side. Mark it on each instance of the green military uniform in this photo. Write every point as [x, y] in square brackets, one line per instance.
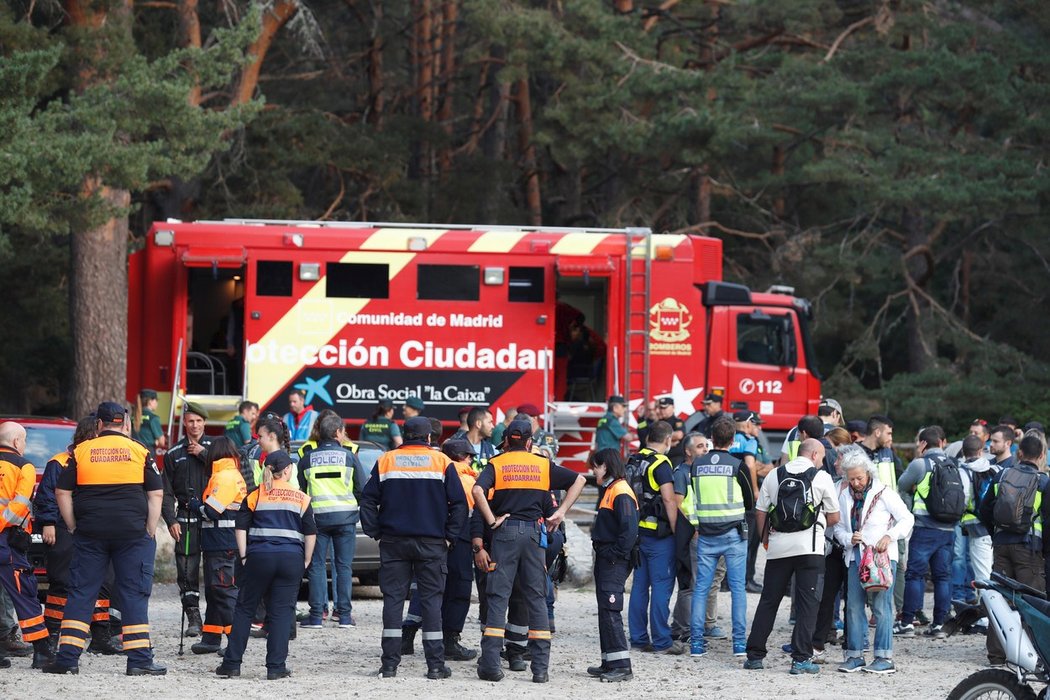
[381, 431]
[149, 429]
[239, 430]
[610, 431]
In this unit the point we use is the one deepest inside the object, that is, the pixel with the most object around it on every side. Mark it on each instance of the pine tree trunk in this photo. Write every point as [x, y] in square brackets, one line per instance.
[375, 67]
[99, 305]
[533, 201]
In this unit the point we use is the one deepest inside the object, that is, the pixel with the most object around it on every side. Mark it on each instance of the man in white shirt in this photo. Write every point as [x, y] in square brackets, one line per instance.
[793, 552]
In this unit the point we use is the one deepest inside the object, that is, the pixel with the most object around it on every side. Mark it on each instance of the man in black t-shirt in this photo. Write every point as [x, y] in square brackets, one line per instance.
[521, 484]
[110, 498]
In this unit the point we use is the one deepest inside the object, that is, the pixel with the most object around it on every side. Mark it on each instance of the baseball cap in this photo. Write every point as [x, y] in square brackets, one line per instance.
[832, 403]
[464, 411]
[386, 404]
[416, 403]
[528, 409]
[1034, 425]
[148, 394]
[418, 427]
[189, 407]
[110, 412]
[857, 426]
[616, 398]
[741, 416]
[713, 398]
[665, 401]
[456, 448]
[519, 430]
[276, 461]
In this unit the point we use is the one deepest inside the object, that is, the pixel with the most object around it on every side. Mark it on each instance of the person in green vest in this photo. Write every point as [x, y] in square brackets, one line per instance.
[150, 432]
[239, 428]
[381, 428]
[611, 431]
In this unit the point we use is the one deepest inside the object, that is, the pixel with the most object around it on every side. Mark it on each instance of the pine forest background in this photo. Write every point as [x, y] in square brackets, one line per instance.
[888, 158]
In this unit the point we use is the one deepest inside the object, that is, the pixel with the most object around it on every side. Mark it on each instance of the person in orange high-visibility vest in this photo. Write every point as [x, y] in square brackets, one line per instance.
[522, 483]
[17, 478]
[109, 496]
[219, 505]
[613, 535]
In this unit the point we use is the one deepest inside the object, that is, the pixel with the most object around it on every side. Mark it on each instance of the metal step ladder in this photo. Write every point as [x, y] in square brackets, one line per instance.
[638, 277]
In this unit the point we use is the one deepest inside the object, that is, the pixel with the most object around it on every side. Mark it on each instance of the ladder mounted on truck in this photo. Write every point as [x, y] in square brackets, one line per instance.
[638, 285]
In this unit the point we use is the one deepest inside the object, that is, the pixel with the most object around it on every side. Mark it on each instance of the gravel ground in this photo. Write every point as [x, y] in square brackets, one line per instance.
[333, 662]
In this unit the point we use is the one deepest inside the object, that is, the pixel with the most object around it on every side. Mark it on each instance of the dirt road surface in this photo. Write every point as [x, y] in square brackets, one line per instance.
[337, 663]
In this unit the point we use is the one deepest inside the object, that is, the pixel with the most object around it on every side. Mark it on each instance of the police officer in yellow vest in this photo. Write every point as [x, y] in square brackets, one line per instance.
[613, 536]
[723, 495]
[333, 478]
[522, 483]
[650, 474]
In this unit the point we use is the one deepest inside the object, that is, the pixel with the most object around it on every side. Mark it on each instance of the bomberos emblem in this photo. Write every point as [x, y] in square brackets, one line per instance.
[669, 321]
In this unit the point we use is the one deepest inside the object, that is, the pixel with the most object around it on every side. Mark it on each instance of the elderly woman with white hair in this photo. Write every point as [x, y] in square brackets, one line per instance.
[872, 516]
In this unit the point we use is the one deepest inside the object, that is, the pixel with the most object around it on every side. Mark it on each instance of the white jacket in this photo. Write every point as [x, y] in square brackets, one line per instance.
[890, 517]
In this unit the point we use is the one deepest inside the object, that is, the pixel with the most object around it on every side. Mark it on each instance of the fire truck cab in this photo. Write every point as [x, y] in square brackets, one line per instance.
[352, 313]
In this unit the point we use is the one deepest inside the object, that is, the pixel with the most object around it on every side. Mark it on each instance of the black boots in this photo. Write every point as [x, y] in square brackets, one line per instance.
[454, 651]
[44, 651]
[193, 622]
[102, 642]
[408, 639]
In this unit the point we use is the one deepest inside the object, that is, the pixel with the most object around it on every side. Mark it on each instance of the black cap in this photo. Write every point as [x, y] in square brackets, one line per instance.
[616, 398]
[1034, 425]
[519, 430]
[386, 404]
[148, 394]
[417, 428]
[457, 448]
[713, 398]
[277, 461]
[416, 403]
[110, 412]
[665, 401]
[464, 411]
[741, 416]
[857, 426]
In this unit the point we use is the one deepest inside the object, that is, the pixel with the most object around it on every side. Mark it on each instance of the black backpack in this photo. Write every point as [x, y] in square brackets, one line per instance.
[795, 509]
[1014, 508]
[946, 500]
[636, 470]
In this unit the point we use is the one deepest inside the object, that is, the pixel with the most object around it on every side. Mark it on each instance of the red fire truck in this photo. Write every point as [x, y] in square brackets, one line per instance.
[352, 313]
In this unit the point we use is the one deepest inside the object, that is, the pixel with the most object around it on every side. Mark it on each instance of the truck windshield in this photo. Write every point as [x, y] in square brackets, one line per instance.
[762, 339]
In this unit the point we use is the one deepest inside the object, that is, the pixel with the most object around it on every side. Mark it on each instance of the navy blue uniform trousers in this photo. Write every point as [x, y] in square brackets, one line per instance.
[275, 576]
[132, 562]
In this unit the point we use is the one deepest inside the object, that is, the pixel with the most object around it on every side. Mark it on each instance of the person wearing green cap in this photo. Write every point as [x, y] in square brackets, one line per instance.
[413, 407]
[186, 475]
[149, 432]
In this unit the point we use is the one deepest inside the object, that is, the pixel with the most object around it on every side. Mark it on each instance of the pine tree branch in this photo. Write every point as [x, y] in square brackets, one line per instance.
[842, 37]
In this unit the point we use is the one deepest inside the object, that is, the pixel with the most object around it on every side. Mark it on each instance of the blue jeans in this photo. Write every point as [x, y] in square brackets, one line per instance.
[343, 539]
[709, 548]
[929, 550]
[857, 618]
[656, 572]
[962, 572]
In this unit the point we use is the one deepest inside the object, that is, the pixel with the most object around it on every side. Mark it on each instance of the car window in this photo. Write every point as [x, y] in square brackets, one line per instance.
[44, 442]
[368, 457]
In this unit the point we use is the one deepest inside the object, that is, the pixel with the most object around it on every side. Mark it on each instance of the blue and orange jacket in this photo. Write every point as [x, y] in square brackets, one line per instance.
[45, 507]
[277, 520]
[414, 491]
